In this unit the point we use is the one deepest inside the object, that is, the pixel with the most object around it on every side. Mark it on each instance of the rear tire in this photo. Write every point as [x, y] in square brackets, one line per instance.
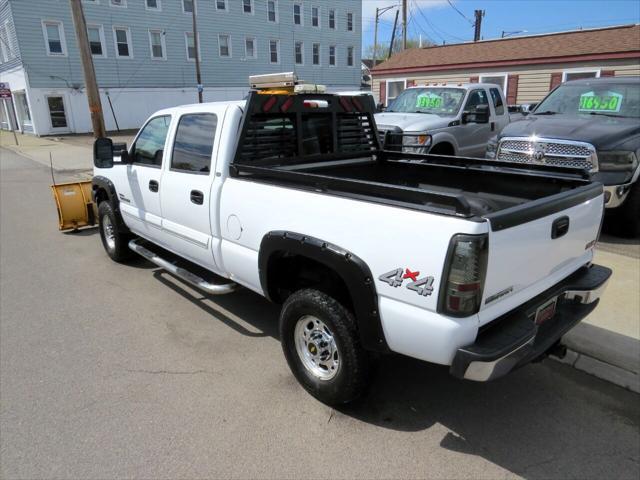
[322, 347]
[115, 242]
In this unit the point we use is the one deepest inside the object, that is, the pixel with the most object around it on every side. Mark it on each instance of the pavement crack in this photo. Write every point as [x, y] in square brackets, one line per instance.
[172, 372]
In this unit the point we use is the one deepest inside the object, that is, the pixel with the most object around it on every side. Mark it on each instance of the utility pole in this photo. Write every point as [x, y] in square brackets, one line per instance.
[393, 34]
[478, 25]
[379, 13]
[375, 41]
[196, 47]
[404, 24]
[91, 85]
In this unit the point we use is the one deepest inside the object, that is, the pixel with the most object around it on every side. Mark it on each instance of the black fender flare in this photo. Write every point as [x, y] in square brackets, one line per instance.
[352, 269]
[103, 183]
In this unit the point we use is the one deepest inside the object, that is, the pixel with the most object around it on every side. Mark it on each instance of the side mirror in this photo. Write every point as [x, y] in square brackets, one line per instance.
[120, 150]
[380, 107]
[103, 153]
[482, 113]
[479, 115]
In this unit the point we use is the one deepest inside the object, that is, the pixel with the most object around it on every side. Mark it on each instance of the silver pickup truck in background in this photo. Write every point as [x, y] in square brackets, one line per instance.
[444, 119]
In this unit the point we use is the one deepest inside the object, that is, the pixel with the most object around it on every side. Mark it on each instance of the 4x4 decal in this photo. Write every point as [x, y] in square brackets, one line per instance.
[395, 278]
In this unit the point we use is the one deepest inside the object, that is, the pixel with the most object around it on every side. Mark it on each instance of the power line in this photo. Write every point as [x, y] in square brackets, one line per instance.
[439, 32]
[460, 13]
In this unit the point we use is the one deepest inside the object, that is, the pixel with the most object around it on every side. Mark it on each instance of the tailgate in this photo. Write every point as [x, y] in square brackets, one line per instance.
[535, 245]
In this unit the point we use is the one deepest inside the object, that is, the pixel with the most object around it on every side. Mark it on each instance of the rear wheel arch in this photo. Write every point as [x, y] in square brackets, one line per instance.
[291, 261]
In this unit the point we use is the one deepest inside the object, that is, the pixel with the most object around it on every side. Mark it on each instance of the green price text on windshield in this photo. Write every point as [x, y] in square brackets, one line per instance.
[608, 102]
[429, 101]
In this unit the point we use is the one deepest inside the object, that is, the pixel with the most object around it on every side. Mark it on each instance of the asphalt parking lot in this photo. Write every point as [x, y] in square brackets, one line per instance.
[112, 371]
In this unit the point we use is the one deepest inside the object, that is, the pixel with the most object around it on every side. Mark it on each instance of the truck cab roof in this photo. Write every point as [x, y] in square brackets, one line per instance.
[198, 107]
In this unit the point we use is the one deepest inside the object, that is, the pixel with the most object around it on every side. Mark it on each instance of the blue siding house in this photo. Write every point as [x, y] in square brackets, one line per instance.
[144, 55]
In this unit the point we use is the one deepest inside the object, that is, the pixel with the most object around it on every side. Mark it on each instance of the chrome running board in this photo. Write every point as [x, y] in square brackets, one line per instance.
[181, 273]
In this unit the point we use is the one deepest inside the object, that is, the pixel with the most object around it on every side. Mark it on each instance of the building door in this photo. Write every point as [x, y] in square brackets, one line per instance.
[57, 113]
[22, 110]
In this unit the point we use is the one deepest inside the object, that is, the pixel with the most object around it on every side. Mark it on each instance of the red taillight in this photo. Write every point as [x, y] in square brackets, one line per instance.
[345, 104]
[268, 105]
[287, 104]
[464, 275]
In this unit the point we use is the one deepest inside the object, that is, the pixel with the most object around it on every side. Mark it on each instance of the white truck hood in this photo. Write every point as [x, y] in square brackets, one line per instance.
[411, 122]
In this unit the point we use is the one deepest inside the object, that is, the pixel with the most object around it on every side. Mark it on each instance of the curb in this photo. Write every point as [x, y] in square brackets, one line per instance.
[604, 354]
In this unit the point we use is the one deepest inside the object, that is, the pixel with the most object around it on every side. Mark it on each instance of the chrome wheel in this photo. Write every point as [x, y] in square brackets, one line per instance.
[316, 347]
[108, 232]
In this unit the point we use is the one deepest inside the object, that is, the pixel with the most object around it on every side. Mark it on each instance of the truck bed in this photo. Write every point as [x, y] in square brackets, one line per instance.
[335, 150]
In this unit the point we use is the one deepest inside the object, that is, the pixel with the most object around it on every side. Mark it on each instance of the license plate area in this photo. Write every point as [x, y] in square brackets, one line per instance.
[546, 311]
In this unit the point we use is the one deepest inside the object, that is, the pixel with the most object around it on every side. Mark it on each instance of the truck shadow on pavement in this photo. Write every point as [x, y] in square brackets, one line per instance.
[544, 420]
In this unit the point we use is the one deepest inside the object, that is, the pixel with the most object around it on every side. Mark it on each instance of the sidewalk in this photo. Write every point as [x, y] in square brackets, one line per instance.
[606, 344]
[68, 154]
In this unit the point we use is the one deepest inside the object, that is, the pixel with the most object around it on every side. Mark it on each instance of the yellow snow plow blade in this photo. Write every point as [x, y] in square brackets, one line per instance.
[74, 204]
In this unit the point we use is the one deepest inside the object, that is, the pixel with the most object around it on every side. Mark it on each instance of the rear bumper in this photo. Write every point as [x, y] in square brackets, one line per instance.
[514, 339]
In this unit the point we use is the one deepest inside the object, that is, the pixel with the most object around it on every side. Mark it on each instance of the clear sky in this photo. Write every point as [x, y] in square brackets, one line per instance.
[439, 21]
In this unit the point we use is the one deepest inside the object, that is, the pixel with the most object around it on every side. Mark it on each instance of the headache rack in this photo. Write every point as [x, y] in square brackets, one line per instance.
[295, 140]
[283, 133]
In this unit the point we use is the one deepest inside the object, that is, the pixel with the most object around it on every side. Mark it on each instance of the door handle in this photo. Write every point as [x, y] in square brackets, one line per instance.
[197, 197]
[153, 185]
[559, 227]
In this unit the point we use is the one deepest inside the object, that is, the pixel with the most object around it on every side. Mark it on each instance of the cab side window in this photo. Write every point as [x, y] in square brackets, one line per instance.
[193, 145]
[497, 101]
[149, 146]
[477, 97]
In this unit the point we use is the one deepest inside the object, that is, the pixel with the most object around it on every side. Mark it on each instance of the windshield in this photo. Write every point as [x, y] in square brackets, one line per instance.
[439, 101]
[604, 99]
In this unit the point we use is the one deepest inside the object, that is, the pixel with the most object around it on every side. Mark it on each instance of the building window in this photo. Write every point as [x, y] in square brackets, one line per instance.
[221, 4]
[54, 38]
[250, 48]
[118, 3]
[350, 56]
[316, 54]
[349, 22]
[274, 51]
[297, 14]
[96, 40]
[153, 5]
[187, 6]
[191, 48]
[394, 89]
[158, 49]
[500, 80]
[193, 145]
[224, 45]
[332, 55]
[299, 53]
[315, 17]
[332, 19]
[122, 37]
[576, 75]
[272, 10]
[247, 6]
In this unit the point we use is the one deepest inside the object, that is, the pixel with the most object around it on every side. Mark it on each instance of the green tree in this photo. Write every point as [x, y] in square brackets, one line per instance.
[383, 48]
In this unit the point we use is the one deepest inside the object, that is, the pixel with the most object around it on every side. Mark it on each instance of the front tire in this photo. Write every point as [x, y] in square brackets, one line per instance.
[322, 347]
[629, 216]
[115, 242]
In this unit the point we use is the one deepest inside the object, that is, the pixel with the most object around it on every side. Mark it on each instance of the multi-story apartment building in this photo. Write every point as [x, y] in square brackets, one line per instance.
[144, 55]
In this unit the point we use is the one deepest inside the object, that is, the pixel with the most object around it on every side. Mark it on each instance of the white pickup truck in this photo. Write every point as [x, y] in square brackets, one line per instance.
[469, 263]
